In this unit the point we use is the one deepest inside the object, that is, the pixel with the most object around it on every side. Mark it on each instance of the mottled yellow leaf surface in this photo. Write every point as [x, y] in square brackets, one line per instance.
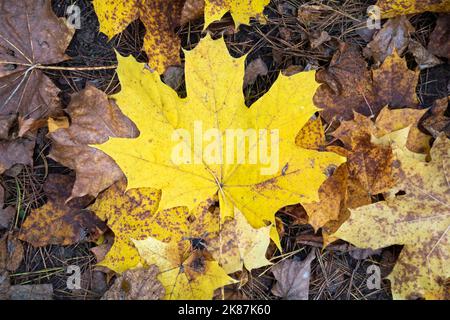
[239, 244]
[133, 215]
[160, 18]
[185, 274]
[393, 8]
[241, 10]
[419, 220]
[171, 154]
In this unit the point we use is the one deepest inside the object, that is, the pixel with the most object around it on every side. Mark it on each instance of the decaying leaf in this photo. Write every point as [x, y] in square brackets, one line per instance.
[17, 151]
[136, 284]
[253, 70]
[58, 222]
[423, 57]
[439, 43]
[133, 215]
[293, 278]
[30, 36]
[160, 18]
[395, 35]
[241, 10]
[418, 219]
[350, 87]
[186, 274]
[215, 104]
[11, 252]
[40, 292]
[94, 119]
[6, 214]
[239, 244]
[393, 8]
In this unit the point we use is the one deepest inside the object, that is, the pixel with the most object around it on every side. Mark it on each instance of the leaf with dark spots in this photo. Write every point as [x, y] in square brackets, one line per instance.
[418, 219]
[438, 121]
[348, 86]
[58, 222]
[134, 215]
[393, 8]
[94, 118]
[160, 18]
[30, 36]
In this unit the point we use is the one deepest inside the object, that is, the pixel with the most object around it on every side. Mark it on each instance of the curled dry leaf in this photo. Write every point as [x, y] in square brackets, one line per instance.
[136, 284]
[418, 219]
[393, 8]
[30, 36]
[255, 69]
[213, 79]
[59, 222]
[439, 43]
[395, 35]
[186, 274]
[94, 119]
[423, 57]
[293, 278]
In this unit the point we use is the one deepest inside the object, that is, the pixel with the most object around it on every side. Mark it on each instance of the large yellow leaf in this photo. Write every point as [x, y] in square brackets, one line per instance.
[241, 10]
[185, 274]
[419, 220]
[133, 215]
[240, 244]
[393, 8]
[189, 172]
[160, 18]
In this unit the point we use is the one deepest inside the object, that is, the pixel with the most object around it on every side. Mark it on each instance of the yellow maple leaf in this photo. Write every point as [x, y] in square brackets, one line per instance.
[185, 274]
[160, 18]
[393, 8]
[419, 220]
[133, 215]
[241, 10]
[240, 244]
[212, 143]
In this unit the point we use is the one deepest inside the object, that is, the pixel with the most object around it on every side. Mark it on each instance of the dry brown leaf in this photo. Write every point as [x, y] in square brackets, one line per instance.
[136, 284]
[17, 151]
[293, 278]
[348, 86]
[58, 222]
[253, 70]
[30, 35]
[439, 43]
[11, 252]
[94, 120]
[438, 121]
[395, 34]
[424, 58]
[6, 214]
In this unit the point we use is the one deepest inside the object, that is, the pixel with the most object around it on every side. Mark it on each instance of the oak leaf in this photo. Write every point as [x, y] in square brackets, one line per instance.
[94, 119]
[393, 8]
[215, 103]
[185, 274]
[418, 219]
